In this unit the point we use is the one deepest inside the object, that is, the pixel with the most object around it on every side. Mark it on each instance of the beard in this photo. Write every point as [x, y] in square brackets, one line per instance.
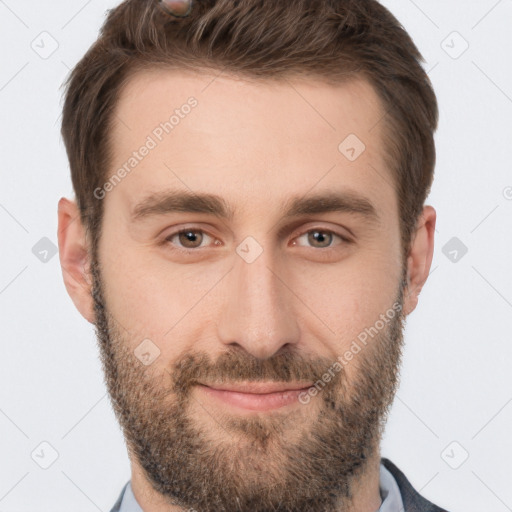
[202, 458]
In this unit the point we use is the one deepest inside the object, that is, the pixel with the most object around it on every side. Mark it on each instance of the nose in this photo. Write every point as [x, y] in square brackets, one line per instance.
[258, 310]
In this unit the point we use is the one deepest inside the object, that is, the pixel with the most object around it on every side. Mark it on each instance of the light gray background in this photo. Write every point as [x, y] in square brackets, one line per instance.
[455, 397]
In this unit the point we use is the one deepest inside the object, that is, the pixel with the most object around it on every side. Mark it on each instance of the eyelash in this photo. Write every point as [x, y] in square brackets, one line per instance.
[168, 238]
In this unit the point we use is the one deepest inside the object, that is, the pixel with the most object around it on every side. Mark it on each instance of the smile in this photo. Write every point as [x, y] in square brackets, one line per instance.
[256, 396]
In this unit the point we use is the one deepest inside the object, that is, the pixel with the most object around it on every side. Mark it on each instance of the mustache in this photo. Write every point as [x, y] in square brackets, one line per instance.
[239, 366]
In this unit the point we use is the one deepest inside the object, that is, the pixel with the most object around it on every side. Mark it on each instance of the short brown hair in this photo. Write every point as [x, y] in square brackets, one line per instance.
[329, 40]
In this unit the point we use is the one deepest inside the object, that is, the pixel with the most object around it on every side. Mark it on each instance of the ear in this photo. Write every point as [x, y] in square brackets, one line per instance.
[74, 257]
[419, 258]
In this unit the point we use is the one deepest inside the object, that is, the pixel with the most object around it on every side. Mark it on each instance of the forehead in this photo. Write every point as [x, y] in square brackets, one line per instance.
[246, 138]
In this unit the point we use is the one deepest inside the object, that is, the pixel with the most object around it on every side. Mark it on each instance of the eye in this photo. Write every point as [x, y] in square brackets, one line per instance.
[188, 238]
[321, 238]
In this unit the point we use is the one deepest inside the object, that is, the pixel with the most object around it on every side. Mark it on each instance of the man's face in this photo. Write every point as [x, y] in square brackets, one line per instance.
[264, 296]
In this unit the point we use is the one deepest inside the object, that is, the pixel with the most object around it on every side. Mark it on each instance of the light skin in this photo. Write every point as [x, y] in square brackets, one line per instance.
[256, 145]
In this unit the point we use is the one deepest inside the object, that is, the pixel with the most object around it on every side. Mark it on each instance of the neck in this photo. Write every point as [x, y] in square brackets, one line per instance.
[366, 494]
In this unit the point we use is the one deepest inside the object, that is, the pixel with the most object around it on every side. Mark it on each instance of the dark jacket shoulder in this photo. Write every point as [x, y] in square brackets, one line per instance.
[413, 501]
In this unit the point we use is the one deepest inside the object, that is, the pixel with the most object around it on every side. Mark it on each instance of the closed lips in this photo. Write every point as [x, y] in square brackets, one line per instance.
[260, 388]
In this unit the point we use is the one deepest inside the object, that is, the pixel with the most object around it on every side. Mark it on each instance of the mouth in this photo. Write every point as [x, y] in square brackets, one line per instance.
[256, 396]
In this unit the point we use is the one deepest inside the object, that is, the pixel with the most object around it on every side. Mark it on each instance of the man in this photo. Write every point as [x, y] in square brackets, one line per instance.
[248, 236]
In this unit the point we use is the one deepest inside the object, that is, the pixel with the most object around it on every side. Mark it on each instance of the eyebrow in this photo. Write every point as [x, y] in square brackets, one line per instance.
[162, 203]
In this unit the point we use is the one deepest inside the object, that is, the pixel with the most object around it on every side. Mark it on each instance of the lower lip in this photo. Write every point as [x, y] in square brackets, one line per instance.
[253, 401]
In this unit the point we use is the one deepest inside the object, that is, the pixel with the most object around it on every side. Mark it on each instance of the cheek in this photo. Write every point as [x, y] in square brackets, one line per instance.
[155, 299]
[348, 297]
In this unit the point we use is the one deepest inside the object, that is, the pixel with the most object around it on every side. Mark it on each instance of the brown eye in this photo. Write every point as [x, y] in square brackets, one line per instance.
[187, 239]
[190, 239]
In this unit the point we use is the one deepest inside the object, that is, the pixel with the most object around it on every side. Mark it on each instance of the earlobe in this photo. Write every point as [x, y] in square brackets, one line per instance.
[420, 257]
[74, 257]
